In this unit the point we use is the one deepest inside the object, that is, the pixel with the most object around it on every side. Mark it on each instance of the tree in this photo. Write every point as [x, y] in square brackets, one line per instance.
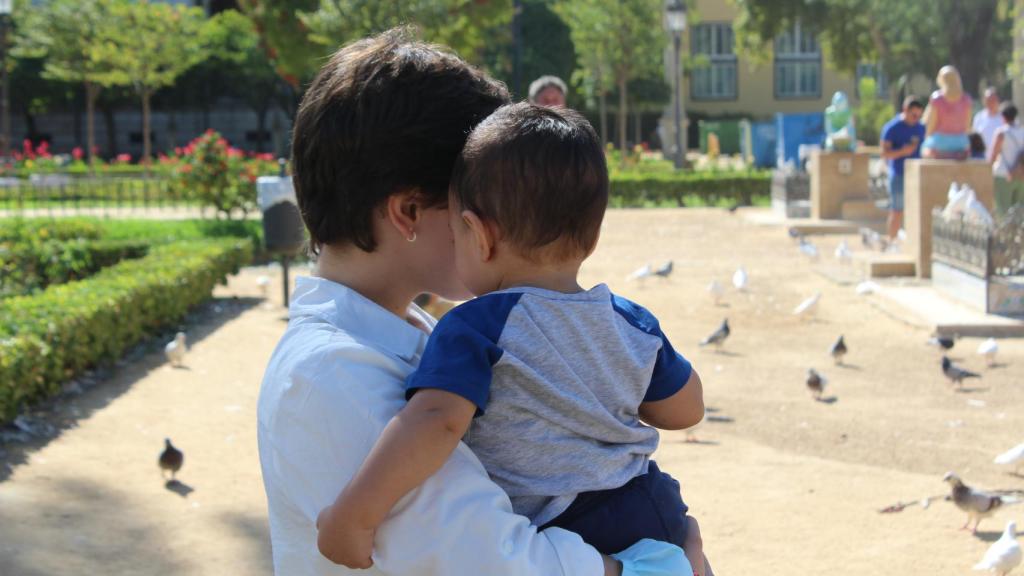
[65, 33]
[617, 41]
[286, 39]
[148, 46]
[906, 37]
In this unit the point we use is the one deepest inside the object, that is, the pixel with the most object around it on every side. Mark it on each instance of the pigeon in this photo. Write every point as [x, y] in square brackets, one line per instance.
[665, 271]
[1004, 554]
[641, 273]
[957, 202]
[171, 459]
[944, 342]
[717, 291]
[740, 279]
[809, 249]
[988, 349]
[264, 283]
[808, 307]
[815, 383]
[977, 504]
[956, 374]
[870, 239]
[867, 287]
[1012, 456]
[718, 336]
[976, 211]
[175, 349]
[838, 350]
[794, 233]
[843, 253]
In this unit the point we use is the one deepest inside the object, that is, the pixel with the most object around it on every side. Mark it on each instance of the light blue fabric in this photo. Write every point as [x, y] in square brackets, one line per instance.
[948, 142]
[652, 558]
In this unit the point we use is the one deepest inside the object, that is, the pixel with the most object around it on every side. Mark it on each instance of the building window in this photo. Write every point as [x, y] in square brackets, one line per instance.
[876, 73]
[797, 65]
[712, 43]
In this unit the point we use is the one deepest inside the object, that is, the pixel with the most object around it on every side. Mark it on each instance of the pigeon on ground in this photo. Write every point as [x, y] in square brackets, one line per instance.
[264, 283]
[816, 383]
[843, 253]
[867, 287]
[976, 503]
[838, 350]
[943, 342]
[1013, 456]
[171, 459]
[717, 291]
[665, 271]
[956, 374]
[988, 349]
[718, 336]
[870, 239]
[641, 273]
[1004, 554]
[175, 349]
[809, 249]
[740, 279]
[808, 307]
[794, 233]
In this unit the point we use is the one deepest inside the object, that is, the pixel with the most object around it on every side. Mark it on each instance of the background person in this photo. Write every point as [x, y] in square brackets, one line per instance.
[901, 139]
[1006, 157]
[548, 91]
[988, 119]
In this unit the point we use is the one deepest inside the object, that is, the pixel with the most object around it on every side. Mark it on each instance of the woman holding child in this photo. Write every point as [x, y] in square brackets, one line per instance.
[375, 141]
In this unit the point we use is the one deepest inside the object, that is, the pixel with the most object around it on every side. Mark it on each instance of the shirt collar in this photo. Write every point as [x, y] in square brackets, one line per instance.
[359, 316]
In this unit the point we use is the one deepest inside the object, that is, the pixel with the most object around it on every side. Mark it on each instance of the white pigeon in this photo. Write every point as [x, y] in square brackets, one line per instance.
[740, 279]
[843, 253]
[641, 273]
[809, 249]
[988, 349]
[264, 283]
[957, 202]
[1013, 456]
[1004, 554]
[954, 190]
[976, 211]
[717, 291]
[867, 287]
[175, 349]
[808, 307]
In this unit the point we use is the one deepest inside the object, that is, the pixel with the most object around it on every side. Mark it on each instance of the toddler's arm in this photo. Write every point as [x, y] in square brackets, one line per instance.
[683, 409]
[412, 447]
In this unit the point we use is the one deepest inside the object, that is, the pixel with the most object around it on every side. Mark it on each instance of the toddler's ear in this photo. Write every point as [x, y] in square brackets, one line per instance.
[484, 235]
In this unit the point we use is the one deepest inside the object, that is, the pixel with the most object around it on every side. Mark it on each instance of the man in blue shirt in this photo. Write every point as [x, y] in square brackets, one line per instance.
[901, 139]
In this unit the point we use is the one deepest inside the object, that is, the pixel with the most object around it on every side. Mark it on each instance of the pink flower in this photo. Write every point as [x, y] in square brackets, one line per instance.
[76, 153]
[123, 158]
[177, 150]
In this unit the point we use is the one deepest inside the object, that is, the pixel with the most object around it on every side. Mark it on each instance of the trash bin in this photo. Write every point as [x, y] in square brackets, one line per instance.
[728, 132]
[760, 144]
[284, 234]
[792, 130]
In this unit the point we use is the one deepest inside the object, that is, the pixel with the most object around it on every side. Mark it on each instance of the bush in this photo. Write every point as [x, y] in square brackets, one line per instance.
[28, 266]
[872, 114]
[54, 335]
[218, 175]
[635, 189]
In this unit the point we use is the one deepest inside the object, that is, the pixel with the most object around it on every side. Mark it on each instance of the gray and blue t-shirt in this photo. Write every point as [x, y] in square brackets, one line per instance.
[558, 380]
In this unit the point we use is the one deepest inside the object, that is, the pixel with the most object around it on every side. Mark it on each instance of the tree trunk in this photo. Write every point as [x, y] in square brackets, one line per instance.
[111, 124]
[146, 144]
[623, 115]
[637, 129]
[261, 126]
[602, 106]
[76, 119]
[91, 92]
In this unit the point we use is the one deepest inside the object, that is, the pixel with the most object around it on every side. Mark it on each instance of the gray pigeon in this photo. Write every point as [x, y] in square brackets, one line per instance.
[718, 336]
[956, 374]
[816, 383]
[665, 271]
[944, 342]
[976, 503]
[838, 350]
[171, 459]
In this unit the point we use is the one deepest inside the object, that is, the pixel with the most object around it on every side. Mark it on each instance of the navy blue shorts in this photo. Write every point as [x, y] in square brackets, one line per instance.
[648, 506]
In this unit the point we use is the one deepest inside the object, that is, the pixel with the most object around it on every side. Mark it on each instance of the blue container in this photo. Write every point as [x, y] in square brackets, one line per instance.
[792, 130]
[762, 144]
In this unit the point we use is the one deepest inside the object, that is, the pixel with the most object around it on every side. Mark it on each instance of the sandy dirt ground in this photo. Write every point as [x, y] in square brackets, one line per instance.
[781, 483]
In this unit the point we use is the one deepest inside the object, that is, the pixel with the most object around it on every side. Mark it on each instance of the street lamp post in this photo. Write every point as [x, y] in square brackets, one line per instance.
[5, 108]
[675, 22]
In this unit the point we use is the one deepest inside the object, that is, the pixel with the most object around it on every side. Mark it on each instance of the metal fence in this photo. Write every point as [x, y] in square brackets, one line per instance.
[58, 196]
[979, 249]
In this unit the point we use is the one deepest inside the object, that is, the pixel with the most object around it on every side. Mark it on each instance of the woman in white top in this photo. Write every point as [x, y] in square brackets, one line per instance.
[1006, 155]
[373, 147]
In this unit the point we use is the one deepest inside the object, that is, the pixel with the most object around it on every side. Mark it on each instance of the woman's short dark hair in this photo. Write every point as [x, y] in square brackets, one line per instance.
[385, 114]
[540, 175]
[1008, 111]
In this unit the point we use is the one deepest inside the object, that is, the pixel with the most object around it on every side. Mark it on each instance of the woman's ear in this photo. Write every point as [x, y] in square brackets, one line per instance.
[484, 235]
[403, 211]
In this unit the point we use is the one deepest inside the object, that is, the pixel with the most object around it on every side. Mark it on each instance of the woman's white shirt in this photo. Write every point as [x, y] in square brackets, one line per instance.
[334, 381]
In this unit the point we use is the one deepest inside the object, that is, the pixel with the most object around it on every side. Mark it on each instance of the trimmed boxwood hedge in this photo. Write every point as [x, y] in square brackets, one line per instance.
[56, 334]
[26, 267]
[639, 189]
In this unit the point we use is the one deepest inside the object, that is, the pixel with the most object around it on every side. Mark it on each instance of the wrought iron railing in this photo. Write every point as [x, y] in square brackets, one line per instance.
[981, 250]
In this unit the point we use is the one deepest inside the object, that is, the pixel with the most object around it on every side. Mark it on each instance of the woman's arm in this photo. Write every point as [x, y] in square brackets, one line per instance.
[997, 147]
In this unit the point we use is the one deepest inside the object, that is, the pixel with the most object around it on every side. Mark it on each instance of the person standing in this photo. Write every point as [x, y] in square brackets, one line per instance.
[1006, 160]
[548, 91]
[901, 139]
[988, 119]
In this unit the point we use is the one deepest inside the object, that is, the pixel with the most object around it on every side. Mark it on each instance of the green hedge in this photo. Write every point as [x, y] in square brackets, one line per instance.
[28, 266]
[54, 335]
[639, 189]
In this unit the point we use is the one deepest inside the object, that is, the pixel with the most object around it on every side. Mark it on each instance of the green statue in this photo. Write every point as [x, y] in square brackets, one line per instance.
[840, 134]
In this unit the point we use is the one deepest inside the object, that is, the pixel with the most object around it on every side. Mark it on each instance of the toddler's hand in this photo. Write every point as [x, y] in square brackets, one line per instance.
[694, 547]
[344, 543]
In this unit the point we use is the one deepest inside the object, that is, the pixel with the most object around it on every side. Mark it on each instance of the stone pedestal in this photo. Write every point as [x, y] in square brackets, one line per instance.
[926, 186]
[837, 177]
